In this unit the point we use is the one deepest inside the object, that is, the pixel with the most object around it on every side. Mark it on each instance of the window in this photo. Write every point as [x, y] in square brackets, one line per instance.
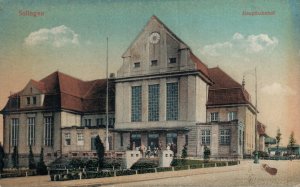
[93, 143]
[31, 131]
[240, 137]
[214, 116]
[186, 139]
[172, 101]
[28, 100]
[14, 131]
[87, 122]
[137, 65]
[225, 136]
[154, 62]
[121, 139]
[232, 116]
[80, 139]
[171, 138]
[172, 60]
[48, 131]
[153, 102]
[136, 103]
[34, 100]
[136, 139]
[111, 121]
[67, 139]
[98, 122]
[205, 137]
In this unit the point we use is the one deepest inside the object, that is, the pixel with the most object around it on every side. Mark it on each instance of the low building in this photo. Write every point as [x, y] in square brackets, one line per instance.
[48, 112]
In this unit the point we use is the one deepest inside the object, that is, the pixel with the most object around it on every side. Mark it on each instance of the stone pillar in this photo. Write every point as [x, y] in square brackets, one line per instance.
[165, 158]
[162, 101]
[131, 157]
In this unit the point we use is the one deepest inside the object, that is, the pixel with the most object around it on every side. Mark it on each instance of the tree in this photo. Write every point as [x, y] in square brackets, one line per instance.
[41, 166]
[184, 154]
[15, 157]
[31, 162]
[2, 155]
[100, 151]
[278, 138]
[206, 153]
[292, 142]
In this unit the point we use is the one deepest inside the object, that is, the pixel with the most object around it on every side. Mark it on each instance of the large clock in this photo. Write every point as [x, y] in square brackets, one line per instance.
[154, 37]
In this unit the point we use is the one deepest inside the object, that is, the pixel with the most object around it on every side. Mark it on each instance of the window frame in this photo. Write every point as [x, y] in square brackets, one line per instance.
[225, 136]
[214, 116]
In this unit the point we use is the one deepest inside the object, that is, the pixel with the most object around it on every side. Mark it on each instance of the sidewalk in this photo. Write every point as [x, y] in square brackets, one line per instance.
[45, 180]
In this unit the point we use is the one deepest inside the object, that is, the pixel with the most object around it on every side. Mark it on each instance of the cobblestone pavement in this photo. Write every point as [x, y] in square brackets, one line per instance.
[245, 174]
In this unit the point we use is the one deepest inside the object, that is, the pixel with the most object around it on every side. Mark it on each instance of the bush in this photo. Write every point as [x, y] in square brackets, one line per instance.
[143, 165]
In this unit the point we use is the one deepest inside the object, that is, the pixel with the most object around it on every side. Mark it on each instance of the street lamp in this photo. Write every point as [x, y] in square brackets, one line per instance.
[106, 140]
[256, 160]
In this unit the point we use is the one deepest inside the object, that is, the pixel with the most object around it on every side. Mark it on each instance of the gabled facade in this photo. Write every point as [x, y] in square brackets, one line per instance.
[59, 113]
[161, 97]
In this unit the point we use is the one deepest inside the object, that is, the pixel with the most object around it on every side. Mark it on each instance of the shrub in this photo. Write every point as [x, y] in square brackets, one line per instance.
[144, 164]
[31, 162]
[41, 168]
[206, 153]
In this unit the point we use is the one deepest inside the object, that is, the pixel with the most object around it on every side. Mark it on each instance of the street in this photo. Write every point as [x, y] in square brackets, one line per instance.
[245, 174]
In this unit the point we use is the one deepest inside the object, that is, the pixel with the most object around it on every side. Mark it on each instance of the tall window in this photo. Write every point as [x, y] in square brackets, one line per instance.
[14, 131]
[205, 136]
[225, 136]
[28, 100]
[34, 100]
[87, 122]
[48, 131]
[31, 131]
[171, 138]
[214, 116]
[136, 103]
[93, 144]
[80, 139]
[172, 101]
[67, 139]
[153, 102]
[232, 116]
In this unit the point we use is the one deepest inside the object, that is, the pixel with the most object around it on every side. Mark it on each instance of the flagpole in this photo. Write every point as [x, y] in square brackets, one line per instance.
[106, 142]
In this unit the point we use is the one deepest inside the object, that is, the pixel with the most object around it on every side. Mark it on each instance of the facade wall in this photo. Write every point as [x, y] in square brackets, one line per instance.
[233, 149]
[39, 139]
[244, 116]
[74, 147]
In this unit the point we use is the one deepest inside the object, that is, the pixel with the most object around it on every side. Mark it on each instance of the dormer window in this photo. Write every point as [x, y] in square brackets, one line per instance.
[172, 60]
[34, 100]
[154, 62]
[137, 65]
[28, 100]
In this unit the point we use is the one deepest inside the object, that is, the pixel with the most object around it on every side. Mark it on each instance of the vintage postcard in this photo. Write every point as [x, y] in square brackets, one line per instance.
[150, 93]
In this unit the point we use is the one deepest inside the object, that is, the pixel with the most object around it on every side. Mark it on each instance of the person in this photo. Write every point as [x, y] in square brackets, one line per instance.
[133, 146]
[142, 149]
[168, 146]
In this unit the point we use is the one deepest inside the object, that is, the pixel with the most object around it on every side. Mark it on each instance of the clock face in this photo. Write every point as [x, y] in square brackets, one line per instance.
[154, 37]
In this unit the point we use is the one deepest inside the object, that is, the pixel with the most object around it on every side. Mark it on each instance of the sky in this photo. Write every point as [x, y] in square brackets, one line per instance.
[70, 36]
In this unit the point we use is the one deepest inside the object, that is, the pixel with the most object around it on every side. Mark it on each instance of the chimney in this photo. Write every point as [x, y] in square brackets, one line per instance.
[243, 83]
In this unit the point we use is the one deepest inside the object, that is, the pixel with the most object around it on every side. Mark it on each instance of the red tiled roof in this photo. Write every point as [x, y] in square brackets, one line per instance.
[66, 92]
[225, 89]
[199, 64]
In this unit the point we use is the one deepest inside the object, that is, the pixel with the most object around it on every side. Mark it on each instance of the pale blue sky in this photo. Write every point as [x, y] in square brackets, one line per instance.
[216, 31]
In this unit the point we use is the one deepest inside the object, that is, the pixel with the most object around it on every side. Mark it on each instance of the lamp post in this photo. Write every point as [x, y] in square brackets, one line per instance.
[256, 160]
[106, 140]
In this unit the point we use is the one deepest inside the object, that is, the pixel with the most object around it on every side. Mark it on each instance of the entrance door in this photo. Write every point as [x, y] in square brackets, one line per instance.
[153, 140]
